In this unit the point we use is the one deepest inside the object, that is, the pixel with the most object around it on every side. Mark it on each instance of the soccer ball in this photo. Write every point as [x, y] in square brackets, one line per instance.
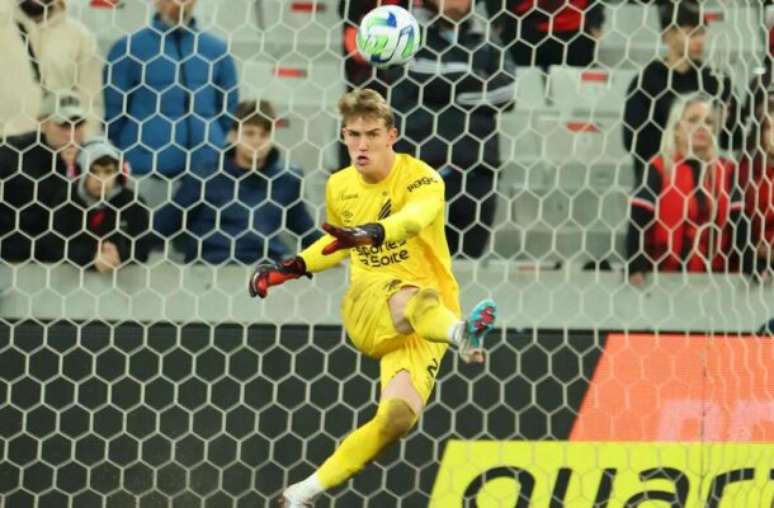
[388, 35]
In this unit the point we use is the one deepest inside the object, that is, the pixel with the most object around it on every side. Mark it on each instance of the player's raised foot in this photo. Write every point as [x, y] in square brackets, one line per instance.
[481, 321]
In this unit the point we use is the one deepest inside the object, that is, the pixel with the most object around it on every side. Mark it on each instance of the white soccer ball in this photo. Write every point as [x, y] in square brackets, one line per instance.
[388, 35]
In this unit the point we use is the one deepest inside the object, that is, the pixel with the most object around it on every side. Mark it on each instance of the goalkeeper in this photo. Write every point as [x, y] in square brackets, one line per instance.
[386, 213]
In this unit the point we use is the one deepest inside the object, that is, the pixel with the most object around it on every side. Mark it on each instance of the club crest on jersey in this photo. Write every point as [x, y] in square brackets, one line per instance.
[386, 210]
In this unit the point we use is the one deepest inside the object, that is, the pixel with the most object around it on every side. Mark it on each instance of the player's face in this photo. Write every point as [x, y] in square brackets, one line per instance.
[369, 143]
[253, 143]
[696, 130]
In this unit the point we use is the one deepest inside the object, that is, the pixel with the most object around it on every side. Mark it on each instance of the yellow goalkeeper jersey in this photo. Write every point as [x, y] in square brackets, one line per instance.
[409, 204]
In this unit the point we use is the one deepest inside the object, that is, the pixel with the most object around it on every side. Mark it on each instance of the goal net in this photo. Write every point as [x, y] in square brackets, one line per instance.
[632, 361]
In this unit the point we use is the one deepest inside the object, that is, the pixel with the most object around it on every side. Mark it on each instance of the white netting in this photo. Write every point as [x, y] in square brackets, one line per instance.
[159, 382]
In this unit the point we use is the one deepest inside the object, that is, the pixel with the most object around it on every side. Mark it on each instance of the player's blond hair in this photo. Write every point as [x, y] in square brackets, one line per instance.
[365, 103]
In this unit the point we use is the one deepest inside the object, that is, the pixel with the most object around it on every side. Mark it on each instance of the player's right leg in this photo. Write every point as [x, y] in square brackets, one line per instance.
[396, 414]
[423, 312]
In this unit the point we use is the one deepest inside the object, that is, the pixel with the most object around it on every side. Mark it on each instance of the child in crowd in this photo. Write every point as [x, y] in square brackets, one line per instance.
[238, 213]
[105, 224]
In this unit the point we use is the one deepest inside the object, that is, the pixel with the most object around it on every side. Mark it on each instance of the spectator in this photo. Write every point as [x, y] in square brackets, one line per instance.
[687, 214]
[34, 170]
[105, 225]
[20, 92]
[64, 55]
[549, 32]
[170, 91]
[752, 105]
[756, 178]
[448, 101]
[650, 95]
[238, 213]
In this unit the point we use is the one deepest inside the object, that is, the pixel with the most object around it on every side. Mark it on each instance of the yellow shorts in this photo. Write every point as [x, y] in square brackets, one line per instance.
[366, 315]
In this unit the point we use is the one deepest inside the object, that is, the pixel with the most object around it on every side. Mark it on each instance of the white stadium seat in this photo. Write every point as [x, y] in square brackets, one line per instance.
[597, 91]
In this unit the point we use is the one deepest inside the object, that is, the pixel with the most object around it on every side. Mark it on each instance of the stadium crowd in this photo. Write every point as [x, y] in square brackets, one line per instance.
[107, 158]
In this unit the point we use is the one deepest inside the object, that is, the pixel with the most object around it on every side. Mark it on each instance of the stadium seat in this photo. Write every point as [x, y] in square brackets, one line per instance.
[110, 24]
[735, 33]
[310, 28]
[632, 34]
[630, 37]
[518, 138]
[293, 83]
[530, 88]
[239, 24]
[579, 138]
[597, 91]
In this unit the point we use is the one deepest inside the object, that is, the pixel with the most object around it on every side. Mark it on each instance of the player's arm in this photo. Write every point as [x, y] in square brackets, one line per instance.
[308, 261]
[425, 202]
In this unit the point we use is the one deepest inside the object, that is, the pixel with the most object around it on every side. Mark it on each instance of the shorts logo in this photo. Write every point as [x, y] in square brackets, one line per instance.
[432, 369]
[425, 180]
[386, 210]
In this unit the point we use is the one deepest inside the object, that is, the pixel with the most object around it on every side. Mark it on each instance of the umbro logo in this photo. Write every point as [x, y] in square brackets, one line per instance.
[386, 209]
[425, 180]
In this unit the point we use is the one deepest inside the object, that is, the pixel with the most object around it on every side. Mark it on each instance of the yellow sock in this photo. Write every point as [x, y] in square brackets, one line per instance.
[429, 317]
[394, 417]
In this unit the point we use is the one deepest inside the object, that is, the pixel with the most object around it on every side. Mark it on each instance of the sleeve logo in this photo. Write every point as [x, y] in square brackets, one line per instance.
[425, 180]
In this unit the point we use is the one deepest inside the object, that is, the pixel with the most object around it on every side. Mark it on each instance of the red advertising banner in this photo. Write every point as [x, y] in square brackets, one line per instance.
[680, 388]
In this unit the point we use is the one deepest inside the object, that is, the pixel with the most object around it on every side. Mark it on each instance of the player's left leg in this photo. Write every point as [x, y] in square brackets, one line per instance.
[398, 410]
[422, 311]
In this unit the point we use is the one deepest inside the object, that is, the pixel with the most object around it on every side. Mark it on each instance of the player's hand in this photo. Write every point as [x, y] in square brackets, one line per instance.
[346, 238]
[273, 274]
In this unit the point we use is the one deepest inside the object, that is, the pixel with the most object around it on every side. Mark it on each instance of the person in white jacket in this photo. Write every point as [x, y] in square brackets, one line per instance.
[20, 93]
[61, 53]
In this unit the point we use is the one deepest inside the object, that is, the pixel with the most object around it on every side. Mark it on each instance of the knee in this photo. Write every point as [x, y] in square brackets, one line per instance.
[398, 309]
[395, 418]
[424, 300]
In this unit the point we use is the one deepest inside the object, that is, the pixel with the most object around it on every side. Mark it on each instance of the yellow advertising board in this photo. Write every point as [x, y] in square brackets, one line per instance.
[522, 474]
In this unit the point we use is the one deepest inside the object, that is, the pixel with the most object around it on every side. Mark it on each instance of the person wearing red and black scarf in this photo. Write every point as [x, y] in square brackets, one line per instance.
[687, 214]
[549, 32]
[681, 71]
[756, 178]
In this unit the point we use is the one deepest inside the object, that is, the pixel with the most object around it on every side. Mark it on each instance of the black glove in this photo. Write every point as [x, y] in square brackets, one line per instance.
[346, 238]
[273, 274]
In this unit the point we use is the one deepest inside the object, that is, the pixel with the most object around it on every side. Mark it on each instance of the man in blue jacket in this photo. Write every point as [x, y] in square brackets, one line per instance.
[238, 213]
[169, 90]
